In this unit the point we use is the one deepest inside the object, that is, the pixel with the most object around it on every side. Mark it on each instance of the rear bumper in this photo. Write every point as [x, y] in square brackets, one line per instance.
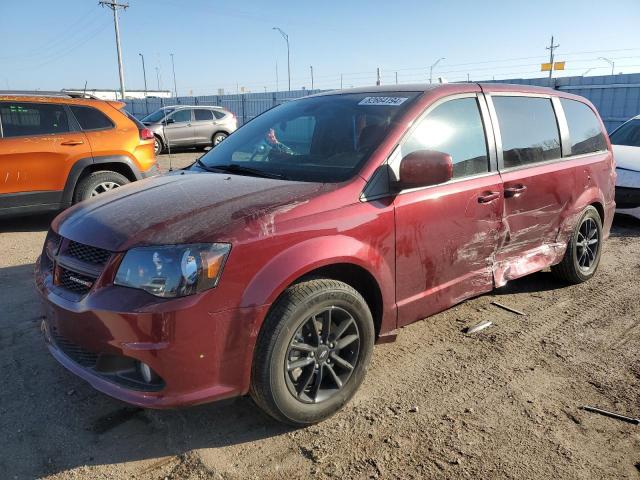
[201, 356]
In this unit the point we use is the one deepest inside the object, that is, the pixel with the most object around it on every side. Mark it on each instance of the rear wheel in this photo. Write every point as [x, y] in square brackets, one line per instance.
[97, 183]
[312, 352]
[582, 257]
[218, 137]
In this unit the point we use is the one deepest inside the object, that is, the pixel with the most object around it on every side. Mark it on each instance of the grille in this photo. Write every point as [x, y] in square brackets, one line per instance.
[88, 254]
[74, 282]
[75, 352]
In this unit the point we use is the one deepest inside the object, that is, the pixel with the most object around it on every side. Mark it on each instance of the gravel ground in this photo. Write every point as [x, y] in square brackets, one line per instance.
[503, 403]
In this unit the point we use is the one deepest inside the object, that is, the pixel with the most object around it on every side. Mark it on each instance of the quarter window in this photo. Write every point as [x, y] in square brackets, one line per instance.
[203, 115]
[528, 129]
[456, 128]
[218, 114]
[31, 119]
[90, 118]
[584, 128]
[182, 116]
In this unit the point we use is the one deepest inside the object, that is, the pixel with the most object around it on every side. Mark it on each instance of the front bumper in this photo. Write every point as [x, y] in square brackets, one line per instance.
[201, 356]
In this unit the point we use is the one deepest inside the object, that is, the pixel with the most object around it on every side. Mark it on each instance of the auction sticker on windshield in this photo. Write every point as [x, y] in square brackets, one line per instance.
[393, 101]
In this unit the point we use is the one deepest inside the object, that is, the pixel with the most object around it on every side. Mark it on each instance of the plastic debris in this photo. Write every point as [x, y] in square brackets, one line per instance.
[479, 326]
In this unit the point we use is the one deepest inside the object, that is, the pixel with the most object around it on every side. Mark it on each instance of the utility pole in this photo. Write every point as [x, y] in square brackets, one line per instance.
[378, 76]
[115, 6]
[144, 75]
[432, 67]
[468, 78]
[311, 67]
[396, 78]
[551, 48]
[340, 81]
[175, 88]
[158, 77]
[286, 38]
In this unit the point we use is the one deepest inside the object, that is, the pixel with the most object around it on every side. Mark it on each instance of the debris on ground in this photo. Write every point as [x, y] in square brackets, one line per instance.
[617, 416]
[478, 327]
[507, 308]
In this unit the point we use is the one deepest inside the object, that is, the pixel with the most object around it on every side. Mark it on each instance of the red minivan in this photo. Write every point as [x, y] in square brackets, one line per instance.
[273, 264]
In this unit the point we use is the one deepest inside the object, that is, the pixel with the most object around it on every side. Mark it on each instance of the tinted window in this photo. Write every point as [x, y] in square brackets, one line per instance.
[528, 129]
[20, 119]
[90, 118]
[456, 128]
[584, 128]
[218, 114]
[314, 139]
[627, 134]
[202, 115]
[182, 116]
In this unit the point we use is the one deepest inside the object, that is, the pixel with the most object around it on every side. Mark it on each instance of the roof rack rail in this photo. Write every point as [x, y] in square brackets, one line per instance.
[42, 93]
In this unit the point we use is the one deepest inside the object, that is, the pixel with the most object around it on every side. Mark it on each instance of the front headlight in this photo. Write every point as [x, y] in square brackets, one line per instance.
[173, 271]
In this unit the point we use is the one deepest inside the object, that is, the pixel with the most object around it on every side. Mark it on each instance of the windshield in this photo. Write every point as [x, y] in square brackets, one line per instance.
[316, 139]
[157, 115]
[627, 134]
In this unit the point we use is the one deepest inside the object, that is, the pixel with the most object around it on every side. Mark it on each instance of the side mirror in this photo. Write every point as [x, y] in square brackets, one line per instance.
[423, 168]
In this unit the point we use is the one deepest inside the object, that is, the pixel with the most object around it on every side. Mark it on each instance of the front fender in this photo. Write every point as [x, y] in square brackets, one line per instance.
[294, 262]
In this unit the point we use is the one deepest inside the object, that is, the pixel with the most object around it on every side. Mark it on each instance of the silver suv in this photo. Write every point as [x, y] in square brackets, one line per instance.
[190, 126]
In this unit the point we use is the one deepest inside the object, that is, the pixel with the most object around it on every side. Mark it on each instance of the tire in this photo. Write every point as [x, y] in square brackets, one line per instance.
[580, 262]
[158, 146]
[98, 182]
[217, 138]
[273, 386]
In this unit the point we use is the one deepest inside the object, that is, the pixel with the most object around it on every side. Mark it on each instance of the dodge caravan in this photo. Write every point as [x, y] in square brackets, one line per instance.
[274, 263]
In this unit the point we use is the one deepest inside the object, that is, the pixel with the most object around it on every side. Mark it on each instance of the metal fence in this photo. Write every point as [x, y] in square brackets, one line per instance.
[244, 106]
[617, 97]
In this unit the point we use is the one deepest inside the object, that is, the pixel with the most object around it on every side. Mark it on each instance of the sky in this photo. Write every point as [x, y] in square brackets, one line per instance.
[50, 45]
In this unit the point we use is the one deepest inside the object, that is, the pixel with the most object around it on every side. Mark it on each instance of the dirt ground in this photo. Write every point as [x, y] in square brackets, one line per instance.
[438, 403]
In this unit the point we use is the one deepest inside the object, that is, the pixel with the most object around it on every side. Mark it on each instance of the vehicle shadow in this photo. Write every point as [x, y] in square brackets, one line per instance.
[625, 226]
[30, 223]
[52, 421]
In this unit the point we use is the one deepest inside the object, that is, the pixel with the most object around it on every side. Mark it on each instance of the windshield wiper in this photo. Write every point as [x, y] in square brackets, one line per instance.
[240, 169]
[204, 166]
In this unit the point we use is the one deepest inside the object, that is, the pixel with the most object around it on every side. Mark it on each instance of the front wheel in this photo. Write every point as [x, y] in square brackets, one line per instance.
[312, 352]
[583, 253]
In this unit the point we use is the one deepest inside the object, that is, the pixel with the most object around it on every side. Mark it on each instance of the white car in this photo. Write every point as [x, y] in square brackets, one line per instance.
[626, 150]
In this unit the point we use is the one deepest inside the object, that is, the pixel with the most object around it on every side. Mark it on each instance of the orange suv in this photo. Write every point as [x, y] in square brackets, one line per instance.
[57, 149]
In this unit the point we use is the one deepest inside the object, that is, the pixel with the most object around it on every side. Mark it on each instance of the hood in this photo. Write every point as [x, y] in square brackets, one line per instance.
[184, 207]
[627, 157]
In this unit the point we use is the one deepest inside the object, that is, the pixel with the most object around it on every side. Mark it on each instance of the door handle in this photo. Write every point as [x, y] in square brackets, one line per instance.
[72, 142]
[514, 191]
[488, 197]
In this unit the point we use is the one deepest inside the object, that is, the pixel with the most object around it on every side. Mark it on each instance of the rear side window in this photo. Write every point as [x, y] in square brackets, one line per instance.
[628, 134]
[528, 129]
[456, 128]
[218, 114]
[90, 118]
[203, 115]
[30, 119]
[584, 128]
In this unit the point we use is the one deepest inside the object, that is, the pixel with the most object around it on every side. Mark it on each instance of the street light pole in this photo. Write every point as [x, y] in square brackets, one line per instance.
[432, 67]
[144, 75]
[175, 88]
[587, 71]
[610, 62]
[114, 5]
[286, 38]
[158, 77]
[311, 67]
